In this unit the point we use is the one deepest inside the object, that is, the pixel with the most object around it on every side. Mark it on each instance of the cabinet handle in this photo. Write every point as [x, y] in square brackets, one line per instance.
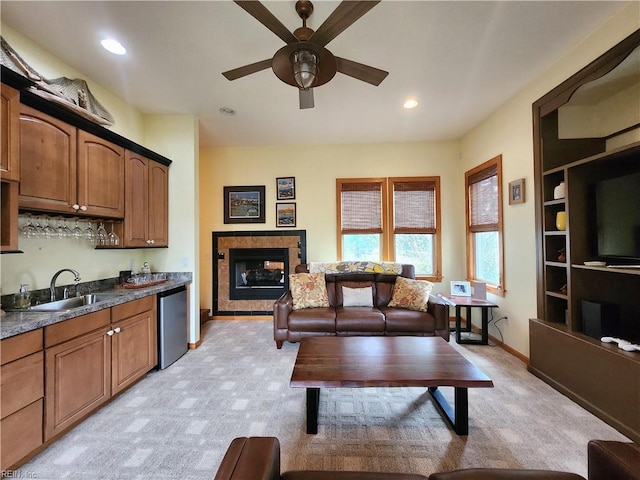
[152, 242]
[76, 207]
[149, 242]
[110, 332]
[83, 208]
[117, 329]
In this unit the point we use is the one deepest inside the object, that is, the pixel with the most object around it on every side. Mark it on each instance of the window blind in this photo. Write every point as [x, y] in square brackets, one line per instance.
[361, 207]
[483, 200]
[414, 207]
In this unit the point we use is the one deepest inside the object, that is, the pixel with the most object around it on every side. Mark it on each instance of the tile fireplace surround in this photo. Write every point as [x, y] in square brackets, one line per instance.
[294, 240]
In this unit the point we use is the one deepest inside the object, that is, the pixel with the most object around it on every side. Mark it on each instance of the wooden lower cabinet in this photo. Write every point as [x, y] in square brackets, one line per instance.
[78, 379]
[21, 397]
[84, 370]
[133, 345]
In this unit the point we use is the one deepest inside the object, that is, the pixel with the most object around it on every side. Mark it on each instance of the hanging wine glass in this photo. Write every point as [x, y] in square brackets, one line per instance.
[38, 229]
[28, 230]
[60, 228]
[90, 233]
[101, 235]
[77, 232]
[48, 231]
[112, 238]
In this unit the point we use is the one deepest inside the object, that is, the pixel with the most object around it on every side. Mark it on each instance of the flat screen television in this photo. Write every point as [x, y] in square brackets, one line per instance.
[614, 220]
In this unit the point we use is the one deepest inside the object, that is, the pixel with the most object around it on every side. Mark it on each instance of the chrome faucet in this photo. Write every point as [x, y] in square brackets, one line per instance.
[52, 285]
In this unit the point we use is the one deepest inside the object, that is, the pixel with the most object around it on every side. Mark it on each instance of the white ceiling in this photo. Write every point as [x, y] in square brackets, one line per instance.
[460, 59]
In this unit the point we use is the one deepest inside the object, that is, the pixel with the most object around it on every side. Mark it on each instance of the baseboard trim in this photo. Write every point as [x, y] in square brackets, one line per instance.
[193, 346]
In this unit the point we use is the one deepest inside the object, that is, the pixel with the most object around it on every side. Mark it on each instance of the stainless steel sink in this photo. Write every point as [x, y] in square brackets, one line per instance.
[74, 302]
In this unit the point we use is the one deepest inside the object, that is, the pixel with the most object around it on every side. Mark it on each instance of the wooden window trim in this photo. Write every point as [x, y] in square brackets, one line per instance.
[476, 174]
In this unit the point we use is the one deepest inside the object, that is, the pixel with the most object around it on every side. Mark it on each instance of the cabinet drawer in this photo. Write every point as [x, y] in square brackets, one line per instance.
[75, 327]
[21, 345]
[22, 383]
[21, 434]
[129, 309]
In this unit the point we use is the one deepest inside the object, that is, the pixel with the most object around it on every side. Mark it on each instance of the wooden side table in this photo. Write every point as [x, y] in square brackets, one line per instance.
[468, 302]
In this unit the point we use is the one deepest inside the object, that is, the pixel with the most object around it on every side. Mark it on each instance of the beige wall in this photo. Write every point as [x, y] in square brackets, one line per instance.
[315, 176]
[508, 131]
[175, 137]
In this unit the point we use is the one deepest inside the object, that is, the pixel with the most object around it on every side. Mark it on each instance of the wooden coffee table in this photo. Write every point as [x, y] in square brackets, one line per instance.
[430, 362]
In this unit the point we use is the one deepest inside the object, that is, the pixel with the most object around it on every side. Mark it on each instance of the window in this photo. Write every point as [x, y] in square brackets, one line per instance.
[485, 258]
[391, 219]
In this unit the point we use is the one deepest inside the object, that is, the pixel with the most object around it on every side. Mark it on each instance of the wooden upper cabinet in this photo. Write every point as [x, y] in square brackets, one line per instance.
[100, 176]
[66, 170]
[158, 204]
[48, 162]
[10, 133]
[146, 202]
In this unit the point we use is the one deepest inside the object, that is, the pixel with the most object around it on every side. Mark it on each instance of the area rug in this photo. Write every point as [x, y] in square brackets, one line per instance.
[177, 423]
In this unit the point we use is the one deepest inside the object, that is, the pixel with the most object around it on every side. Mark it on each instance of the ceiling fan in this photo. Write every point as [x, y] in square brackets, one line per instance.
[304, 62]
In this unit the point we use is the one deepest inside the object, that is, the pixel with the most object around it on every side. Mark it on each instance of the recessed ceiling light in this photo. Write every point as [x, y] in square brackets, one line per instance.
[411, 103]
[227, 111]
[113, 46]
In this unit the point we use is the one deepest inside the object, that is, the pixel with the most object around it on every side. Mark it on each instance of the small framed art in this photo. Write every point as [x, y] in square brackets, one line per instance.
[286, 188]
[285, 214]
[244, 204]
[516, 191]
[461, 289]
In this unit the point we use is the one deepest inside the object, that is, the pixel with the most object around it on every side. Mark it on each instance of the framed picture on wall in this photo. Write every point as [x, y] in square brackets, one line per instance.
[516, 191]
[285, 214]
[244, 204]
[286, 188]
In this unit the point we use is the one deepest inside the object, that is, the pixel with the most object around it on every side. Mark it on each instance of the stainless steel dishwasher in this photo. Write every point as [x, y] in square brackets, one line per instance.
[172, 326]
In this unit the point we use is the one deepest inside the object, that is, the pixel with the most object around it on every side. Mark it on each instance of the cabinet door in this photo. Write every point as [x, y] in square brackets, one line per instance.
[100, 177]
[134, 349]
[21, 434]
[136, 200]
[47, 162]
[9, 216]
[158, 204]
[10, 133]
[78, 379]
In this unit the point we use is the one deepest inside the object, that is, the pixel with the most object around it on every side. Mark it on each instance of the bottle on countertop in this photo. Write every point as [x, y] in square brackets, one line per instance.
[22, 299]
[145, 268]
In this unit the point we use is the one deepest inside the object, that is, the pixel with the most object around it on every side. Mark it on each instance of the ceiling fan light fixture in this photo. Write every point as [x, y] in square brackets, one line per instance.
[305, 68]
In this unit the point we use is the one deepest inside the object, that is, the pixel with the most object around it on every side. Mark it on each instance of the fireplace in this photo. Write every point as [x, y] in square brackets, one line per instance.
[258, 273]
[251, 269]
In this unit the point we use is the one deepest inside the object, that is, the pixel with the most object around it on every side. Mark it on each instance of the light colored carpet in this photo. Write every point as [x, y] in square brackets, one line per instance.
[177, 423]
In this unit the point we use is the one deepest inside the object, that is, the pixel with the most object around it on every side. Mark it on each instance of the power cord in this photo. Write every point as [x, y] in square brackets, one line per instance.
[495, 325]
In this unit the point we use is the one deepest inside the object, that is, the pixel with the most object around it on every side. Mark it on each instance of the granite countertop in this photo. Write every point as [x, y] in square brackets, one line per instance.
[14, 323]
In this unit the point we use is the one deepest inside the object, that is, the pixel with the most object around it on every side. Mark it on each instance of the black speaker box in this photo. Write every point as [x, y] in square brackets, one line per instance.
[599, 319]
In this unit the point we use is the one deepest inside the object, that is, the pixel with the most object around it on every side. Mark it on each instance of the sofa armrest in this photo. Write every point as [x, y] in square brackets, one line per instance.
[440, 310]
[610, 460]
[282, 307]
[251, 458]
[504, 474]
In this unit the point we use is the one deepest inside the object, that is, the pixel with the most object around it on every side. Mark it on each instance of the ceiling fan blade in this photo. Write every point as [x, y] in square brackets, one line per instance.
[247, 70]
[306, 98]
[340, 19]
[368, 74]
[258, 11]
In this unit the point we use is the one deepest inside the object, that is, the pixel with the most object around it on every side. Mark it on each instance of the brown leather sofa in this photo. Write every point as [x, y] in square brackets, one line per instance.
[293, 325]
[258, 458]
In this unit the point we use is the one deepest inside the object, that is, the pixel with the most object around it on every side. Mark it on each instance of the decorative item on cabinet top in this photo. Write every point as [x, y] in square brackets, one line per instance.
[72, 94]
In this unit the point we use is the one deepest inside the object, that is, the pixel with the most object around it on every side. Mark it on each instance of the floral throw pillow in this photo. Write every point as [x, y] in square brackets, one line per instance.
[308, 290]
[411, 294]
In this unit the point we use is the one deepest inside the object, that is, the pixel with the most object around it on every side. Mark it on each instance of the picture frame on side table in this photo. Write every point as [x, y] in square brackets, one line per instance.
[285, 214]
[460, 288]
[516, 191]
[286, 188]
[244, 204]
